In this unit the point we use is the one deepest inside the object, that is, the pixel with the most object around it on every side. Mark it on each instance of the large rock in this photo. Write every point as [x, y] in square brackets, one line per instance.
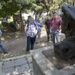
[53, 66]
[66, 48]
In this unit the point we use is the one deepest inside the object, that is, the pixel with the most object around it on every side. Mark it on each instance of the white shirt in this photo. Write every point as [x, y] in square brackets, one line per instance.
[31, 30]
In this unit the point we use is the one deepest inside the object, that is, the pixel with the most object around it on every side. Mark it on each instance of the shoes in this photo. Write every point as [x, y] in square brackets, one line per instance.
[5, 52]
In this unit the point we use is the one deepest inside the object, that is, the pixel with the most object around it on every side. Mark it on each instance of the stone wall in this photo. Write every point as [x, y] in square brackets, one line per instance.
[42, 66]
[36, 68]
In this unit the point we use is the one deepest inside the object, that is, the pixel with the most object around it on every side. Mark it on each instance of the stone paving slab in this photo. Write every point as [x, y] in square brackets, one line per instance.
[8, 71]
[7, 64]
[21, 65]
[22, 69]
[20, 61]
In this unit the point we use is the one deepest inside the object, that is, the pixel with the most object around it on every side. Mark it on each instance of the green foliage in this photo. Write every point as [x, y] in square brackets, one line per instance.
[24, 2]
[8, 9]
[43, 20]
[53, 7]
[38, 8]
[11, 25]
[25, 5]
[4, 0]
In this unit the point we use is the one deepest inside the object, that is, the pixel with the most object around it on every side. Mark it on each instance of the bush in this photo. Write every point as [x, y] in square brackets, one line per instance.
[43, 20]
[11, 25]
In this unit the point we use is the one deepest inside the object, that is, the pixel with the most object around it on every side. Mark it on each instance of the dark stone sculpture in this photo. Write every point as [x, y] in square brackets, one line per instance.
[66, 48]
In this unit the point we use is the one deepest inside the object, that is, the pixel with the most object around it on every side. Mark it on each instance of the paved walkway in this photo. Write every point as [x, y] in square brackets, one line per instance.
[21, 65]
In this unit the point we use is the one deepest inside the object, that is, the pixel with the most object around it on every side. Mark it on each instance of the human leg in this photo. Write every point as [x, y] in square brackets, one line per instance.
[57, 37]
[28, 43]
[39, 33]
[53, 37]
[32, 42]
[48, 33]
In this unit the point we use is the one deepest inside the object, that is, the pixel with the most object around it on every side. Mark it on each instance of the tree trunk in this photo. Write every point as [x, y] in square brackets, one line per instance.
[73, 3]
[21, 21]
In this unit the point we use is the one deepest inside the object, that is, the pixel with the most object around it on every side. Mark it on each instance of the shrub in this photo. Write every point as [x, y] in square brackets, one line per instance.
[11, 25]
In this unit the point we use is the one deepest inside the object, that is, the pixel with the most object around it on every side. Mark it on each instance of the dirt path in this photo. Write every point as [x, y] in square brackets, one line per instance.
[17, 46]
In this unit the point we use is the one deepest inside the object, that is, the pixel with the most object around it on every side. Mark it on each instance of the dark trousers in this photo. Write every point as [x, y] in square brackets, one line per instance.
[48, 34]
[30, 43]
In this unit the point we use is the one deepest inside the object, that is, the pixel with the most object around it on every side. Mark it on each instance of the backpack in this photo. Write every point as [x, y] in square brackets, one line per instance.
[28, 26]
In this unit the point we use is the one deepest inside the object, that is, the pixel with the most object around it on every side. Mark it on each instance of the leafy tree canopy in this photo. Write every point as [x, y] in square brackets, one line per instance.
[24, 2]
[9, 7]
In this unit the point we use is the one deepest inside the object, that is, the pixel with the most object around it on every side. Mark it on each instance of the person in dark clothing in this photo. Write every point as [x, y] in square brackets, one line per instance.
[47, 25]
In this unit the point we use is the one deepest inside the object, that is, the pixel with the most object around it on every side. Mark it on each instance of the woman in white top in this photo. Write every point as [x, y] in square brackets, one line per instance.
[31, 32]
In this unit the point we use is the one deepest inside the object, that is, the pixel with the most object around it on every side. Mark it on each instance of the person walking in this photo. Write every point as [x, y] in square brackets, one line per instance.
[31, 32]
[1, 45]
[47, 26]
[39, 23]
[55, 27]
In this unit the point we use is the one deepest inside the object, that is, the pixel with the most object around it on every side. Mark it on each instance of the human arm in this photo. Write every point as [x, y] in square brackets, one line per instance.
[40, 24]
